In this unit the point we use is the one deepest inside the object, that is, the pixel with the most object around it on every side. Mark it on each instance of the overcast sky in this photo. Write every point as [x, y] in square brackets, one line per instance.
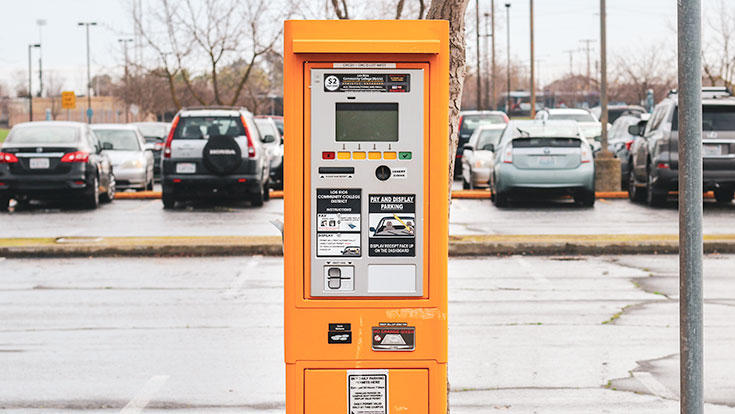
[633, 26]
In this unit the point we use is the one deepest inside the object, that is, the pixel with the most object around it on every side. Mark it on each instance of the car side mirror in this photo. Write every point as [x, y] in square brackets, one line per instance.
[106, 146]
[268, 139]
[469, 147]
[489, 147]
[372, 229]
[634, 130]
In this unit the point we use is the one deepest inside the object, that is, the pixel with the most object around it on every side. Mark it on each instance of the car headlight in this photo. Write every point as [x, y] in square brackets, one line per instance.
[132, 164]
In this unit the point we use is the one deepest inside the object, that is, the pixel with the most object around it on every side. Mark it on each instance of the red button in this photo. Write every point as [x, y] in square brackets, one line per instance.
[328, 155]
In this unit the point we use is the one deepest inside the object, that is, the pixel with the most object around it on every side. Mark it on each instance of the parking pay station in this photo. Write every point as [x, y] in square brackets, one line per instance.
[366, 151]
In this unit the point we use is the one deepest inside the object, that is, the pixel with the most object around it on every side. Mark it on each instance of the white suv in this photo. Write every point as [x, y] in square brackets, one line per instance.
[214, 152]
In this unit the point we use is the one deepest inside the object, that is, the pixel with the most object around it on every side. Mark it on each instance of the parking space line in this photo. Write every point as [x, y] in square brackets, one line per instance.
[145, 395]
[654, 386]
[146, 205]
[241, 276]
[538, 277]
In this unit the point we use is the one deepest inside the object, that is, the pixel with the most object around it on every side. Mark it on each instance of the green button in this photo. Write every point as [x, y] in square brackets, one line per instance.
[406, 155]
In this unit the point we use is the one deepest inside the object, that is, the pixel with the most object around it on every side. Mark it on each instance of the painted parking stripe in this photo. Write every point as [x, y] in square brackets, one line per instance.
[145, 395]
[538, 277]
[241, 277]
[654, 386]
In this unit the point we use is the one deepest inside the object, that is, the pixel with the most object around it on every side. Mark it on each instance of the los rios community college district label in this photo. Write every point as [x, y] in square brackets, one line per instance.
[338, 222]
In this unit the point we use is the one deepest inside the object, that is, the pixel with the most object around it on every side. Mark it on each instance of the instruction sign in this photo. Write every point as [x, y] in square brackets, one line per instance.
[392, 220]
[367, 391]
[394, 337]
[68, 100]
[367, 82]
[338, 222]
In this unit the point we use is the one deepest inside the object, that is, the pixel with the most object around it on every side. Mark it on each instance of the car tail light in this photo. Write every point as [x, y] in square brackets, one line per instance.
[251, 147]
[628, 144]
[505, 117]
[79, 156]
[508, 154]
[662, 165]
[8, 158]
[167, 146]
[585, 156]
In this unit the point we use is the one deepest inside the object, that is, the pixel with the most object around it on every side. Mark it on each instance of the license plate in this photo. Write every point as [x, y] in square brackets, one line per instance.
[186, 168]
[546, 160]
[711, 149]
[39, 163]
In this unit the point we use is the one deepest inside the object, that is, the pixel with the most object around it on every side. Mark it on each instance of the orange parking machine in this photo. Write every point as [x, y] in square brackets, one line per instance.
[366, 216]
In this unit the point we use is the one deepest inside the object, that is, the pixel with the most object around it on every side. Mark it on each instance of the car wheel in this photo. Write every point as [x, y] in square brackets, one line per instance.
[267, 190]
[149, 184]
[635, 194]
[654, 196]
[109, 195]
[722, 195]
[4, 204]
[585, 198]
[92, 195]
[257, 198]
[500, 199]
[169, 200]
[465, 184]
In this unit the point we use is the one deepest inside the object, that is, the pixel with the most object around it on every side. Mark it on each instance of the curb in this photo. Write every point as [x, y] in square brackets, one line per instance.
[459, 246]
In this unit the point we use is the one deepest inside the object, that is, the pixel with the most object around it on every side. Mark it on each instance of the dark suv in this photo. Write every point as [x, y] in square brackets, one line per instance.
[214, 152]
[55, 160]
[655, 151]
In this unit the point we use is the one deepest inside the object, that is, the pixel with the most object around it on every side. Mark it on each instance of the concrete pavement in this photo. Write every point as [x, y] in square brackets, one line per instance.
[527, 334]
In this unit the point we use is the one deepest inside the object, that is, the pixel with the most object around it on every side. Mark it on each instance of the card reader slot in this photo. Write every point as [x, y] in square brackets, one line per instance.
[336, 170]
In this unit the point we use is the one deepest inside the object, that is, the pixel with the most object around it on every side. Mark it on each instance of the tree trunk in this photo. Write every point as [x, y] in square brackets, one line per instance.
[453, 11]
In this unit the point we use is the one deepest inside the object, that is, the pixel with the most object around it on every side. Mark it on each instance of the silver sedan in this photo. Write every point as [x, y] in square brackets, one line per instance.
[132, 164]
[477, 158]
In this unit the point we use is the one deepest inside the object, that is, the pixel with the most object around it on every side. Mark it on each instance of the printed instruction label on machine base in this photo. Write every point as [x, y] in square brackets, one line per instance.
[367, 391]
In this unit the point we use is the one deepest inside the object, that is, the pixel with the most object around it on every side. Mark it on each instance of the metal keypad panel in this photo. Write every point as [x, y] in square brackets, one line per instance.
[367, 216]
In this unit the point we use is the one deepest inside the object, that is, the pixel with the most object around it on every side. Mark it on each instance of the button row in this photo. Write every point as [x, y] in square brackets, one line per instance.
[371, 155]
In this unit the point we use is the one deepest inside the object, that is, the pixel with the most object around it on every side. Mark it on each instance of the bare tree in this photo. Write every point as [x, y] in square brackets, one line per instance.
[637, 72]
[717, 57]
[54, 85]
[340, 9]
[220, 31]
[454, 12]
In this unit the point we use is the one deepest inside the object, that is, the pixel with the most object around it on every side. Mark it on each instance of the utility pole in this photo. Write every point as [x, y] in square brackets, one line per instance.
[603, 74]
[125, 42]
[588, 42]
[30, 80]
[488, 35]
[571, 62]
[479, 71]
[493, 69]
[691, 328]
[507, 24]
[89, 73]
[533, 81]
[40, 23]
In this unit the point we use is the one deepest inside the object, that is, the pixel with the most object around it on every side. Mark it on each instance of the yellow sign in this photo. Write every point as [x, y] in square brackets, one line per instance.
[68, 100]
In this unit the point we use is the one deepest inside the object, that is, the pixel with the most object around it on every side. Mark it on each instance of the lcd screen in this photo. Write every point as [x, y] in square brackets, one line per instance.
[367, 122]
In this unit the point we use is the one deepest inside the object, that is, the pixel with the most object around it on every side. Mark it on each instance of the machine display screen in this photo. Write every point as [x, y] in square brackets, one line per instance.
[367, 122]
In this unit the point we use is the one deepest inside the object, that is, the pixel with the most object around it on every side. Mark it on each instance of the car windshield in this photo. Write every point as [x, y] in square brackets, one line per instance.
[572, 117]
[591, 131]
[204, 127]
[471, 122]
[279, 124]
[120, 139]
[488, 136]
[153, 131]
[44, 134]
[541, 130]
[714, 118]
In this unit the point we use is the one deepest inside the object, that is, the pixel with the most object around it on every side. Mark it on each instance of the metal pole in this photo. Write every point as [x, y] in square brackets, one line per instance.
[477, 38]
[493, 70]
[30, 85]
[486, 91]
[533, 81]
[507, 20]
[127, 78]
[40, 23]
[603, 76]
[89, 80]
[690, 207]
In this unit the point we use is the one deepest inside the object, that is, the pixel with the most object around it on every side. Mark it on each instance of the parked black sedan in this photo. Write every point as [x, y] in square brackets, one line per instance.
[54, 160]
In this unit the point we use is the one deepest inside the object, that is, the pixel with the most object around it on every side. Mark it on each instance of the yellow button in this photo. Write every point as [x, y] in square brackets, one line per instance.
[358, 155]
[374, 155]
[343, 155]
[389, 155]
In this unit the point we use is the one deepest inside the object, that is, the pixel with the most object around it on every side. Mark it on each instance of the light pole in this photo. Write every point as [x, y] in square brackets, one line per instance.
[477, 39]
[493, 70]
[30, 81]
[533, 81]
[125, 42]
[89, 72]
[40, 23]
[486, 92]
[507, 23]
